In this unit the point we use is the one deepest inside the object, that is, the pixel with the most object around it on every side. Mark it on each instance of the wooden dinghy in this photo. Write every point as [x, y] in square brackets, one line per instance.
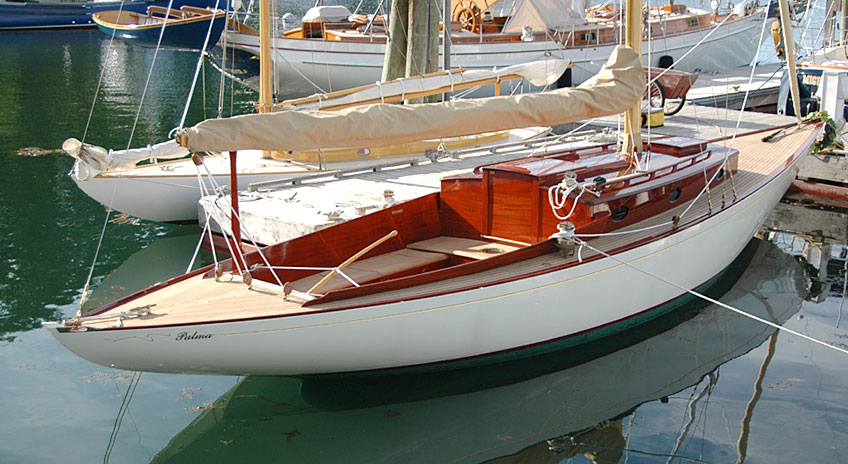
[515, 259]
[185, 28]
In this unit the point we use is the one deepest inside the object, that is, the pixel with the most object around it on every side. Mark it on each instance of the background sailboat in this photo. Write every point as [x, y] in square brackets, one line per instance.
[328, 54]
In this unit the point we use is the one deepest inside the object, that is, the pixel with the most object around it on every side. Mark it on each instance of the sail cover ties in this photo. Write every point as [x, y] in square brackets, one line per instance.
[616, 88]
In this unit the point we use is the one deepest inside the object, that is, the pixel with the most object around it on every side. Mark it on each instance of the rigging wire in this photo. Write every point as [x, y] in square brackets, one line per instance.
[87, 285]
[706, 298]
[100, 79]
[150, 73]
[750, 78]
[197, 67]
[224, 46]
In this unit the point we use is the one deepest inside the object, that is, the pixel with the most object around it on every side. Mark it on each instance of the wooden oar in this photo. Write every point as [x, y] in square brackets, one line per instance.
[350, 261]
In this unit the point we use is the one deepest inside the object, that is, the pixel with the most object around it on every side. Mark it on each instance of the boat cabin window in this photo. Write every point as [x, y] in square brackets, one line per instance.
[588, 37]
[674, 195]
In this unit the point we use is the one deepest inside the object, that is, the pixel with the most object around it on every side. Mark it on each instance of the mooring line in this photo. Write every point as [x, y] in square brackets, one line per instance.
[711, 300]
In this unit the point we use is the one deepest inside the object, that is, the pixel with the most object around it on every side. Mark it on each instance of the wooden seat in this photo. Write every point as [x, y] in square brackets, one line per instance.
[395, 263]
[464, 247]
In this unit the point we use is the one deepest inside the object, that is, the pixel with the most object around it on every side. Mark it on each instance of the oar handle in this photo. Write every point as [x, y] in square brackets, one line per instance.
[350, 261]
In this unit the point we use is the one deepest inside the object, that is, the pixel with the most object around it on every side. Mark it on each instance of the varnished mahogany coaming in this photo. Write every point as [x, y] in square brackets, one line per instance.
[506, 200]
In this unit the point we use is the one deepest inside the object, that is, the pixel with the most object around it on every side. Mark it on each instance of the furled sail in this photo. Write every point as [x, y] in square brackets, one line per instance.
[92, 160]
[543, 15]
[616, 88]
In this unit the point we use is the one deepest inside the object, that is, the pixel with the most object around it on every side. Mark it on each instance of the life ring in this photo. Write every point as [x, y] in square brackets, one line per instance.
[467, 14]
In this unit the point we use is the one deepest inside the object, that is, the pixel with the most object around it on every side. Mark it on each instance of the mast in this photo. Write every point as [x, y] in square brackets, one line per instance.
[265, 96]
[789, 47]
[633, 39]
[265, 105]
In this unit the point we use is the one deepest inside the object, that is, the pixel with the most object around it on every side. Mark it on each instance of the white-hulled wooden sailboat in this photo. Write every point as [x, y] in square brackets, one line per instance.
[512, 260]
[334, 53]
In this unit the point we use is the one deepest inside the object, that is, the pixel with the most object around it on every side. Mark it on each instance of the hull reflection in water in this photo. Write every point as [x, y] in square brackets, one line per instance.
[442, 418]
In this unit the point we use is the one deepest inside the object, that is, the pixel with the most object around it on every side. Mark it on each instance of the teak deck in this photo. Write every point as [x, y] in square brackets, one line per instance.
[199, 299]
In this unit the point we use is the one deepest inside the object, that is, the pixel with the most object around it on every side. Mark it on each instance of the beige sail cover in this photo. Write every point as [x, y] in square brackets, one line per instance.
[617, 87]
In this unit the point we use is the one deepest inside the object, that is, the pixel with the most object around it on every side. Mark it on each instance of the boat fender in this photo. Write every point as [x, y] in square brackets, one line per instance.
[778, 41]
[665, 61]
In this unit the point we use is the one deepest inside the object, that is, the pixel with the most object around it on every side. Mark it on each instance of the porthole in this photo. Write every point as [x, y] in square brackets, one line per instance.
[720, 173]
[620, 213]
[674, 195]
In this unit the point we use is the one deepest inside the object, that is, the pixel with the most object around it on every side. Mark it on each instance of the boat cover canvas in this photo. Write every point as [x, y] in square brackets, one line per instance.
[543, 15]
[616, 88]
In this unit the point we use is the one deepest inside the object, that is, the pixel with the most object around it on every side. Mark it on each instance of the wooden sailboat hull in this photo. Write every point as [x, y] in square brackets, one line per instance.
[334, 65]
[508, 318]
[186, 33]
[653, 368]
[46, 15]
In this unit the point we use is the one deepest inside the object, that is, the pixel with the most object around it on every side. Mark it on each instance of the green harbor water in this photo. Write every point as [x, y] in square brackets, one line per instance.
[706, 386]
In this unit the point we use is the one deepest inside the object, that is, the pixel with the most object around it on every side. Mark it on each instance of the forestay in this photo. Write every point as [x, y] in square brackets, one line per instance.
[617, 87]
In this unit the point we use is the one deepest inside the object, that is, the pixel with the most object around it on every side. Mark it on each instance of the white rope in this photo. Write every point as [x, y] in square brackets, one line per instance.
[558, 195]
[711, 300]
[206, 227]
[199, 63]
[626, 232]
[307, 268]
[380, 88]
[245, 230]
[450, 75]
[402, 89]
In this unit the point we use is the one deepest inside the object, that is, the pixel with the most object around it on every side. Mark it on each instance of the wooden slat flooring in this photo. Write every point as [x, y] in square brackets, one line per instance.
[199, 300]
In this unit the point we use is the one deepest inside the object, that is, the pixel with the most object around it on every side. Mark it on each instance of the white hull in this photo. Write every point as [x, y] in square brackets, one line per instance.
[170, 191]
[169, 195]
[335, 65]
[448, 327]
[344, 411]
